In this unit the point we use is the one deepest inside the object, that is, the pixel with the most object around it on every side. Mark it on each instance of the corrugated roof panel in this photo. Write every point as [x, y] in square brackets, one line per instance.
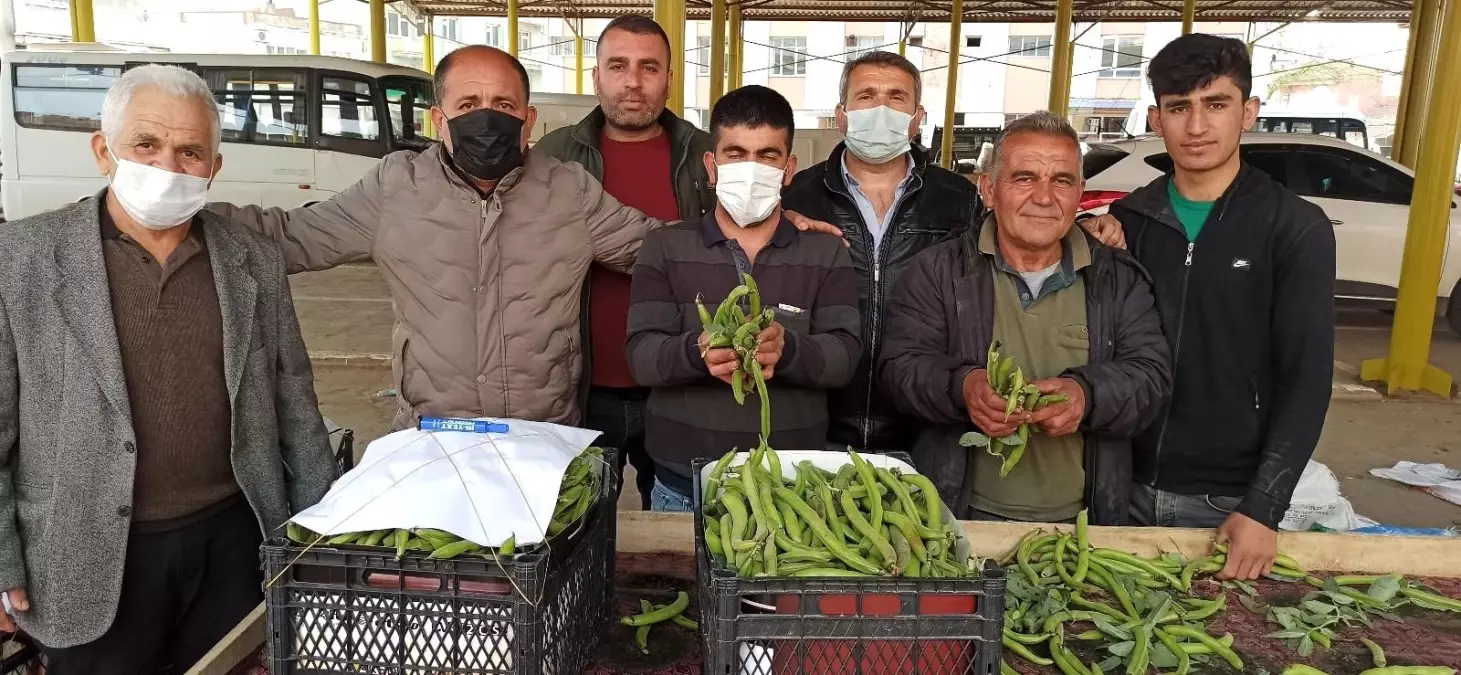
[988, 11]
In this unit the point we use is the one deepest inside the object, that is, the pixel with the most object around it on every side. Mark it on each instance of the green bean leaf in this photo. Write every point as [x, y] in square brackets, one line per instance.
[1390, 616]
[1109, 627]
[1306, 646]
[1161, 657]
[1319, 607]
[1288, 617]
[1287, 634]
[1339, 598]
[974, 439]
[1122, 649]
[1248, 602]
[1155, 600]
[1385, 588]
[1112, 664]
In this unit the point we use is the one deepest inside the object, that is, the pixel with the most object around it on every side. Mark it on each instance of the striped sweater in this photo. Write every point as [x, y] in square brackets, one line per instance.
[808, 279]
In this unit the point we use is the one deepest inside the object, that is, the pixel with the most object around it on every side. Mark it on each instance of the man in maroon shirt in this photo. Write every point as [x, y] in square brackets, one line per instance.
[649, 159]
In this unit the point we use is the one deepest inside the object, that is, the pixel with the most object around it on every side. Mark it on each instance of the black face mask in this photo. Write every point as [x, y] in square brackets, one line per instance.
[487, 144]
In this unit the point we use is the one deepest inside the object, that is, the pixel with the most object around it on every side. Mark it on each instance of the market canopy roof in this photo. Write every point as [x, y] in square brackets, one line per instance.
[937, 11]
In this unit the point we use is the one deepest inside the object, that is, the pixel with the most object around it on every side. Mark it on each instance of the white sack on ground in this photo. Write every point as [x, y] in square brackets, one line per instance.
[1438, 479]
[1318, 504]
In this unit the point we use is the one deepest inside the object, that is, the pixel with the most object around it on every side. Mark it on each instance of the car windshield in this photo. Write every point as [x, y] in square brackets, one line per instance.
[1099, 158]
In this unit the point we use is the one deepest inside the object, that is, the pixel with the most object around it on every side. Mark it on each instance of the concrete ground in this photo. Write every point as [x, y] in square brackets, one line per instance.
[346, 318]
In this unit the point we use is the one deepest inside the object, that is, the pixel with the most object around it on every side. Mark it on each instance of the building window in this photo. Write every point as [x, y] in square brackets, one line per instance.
[702, 55]
[494, 37]
[788, 56]
[958, 119]
[62, 97]
[397, 25]
[563, 46]
[279, 49]
[1121, 56]
[973, 40]
[859, 45]
[915, 41]
[1030, 45]
[447, 28]
[524, 41]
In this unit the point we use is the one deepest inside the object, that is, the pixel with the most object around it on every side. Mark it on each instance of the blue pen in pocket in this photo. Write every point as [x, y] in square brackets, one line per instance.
[456, 424]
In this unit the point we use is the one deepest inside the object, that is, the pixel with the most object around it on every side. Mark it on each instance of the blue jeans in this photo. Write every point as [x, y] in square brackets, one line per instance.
[665, 500]
[1151, 507]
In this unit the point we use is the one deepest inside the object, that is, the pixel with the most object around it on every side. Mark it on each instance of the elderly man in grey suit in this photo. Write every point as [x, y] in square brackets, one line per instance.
[157, 409]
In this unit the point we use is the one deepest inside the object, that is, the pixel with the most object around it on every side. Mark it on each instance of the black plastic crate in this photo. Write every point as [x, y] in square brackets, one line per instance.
[357, 610]
[24, 658]
[836, 626]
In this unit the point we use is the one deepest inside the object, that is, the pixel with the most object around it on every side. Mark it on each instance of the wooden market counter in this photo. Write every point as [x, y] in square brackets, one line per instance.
[642, 532]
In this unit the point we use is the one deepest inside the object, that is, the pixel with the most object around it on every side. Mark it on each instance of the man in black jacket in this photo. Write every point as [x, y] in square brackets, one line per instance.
[1077, 317]
[1244, 276]
[891, 204]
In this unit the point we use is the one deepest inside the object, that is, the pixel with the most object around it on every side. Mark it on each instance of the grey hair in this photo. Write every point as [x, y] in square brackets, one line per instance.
[1040, 122]
[171, 80]
[886, 59]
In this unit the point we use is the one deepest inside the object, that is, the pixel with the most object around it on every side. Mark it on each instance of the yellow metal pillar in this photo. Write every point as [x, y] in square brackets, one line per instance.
[578, 59]
[314, 28]
[951, 94]
[83, 26]
[1397, 139]
[1061, 64]
[737, 50]
[1189, 15]
[670, 14]
[717, 51]
[428, 45]
[1407, 367]
[512, 27]
[378, 31]
[1419, 81]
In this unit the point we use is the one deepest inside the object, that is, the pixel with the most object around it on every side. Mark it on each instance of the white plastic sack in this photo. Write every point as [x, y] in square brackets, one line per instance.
[1318, 503]
[1438, 479]
[480, 487]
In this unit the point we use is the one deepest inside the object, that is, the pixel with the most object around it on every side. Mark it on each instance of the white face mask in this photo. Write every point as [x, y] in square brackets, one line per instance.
[878, 135]
[157, 199]
[748, 191]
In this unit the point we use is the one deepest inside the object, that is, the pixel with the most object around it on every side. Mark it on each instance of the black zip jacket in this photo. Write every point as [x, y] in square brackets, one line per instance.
[1249, 311]
[936, 206]
[940, 324]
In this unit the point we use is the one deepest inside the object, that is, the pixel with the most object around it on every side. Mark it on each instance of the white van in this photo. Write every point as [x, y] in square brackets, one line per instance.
[296, 129]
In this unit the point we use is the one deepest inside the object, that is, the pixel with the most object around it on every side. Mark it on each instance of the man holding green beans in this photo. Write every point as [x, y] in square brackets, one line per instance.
[1079, 319]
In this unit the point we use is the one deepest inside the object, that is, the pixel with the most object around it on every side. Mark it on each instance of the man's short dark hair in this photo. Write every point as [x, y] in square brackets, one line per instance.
[753, 106]
[1194, 61]
[638, 25]
[883, 59]
[438, 81]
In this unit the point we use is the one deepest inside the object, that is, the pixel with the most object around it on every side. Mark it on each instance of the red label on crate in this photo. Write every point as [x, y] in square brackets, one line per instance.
[874, 657]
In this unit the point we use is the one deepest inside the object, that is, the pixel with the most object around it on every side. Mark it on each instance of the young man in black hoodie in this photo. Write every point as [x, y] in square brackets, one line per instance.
[1244, 277]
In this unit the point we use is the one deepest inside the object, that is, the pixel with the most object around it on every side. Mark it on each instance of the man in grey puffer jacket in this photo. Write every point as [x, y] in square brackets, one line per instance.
[485, 254]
